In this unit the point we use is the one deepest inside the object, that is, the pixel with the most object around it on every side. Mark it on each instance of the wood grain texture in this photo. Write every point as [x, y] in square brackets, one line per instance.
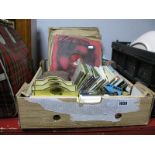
[23, 27]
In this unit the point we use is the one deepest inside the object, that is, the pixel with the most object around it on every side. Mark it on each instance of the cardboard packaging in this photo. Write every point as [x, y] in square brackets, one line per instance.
[83, 111]
[89, 111]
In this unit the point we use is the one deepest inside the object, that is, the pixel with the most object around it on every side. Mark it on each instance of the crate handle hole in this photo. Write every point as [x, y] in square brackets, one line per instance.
[118, 115]
[56, 117]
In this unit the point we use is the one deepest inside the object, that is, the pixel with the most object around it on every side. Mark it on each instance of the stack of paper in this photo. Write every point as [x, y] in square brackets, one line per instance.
[53, 85]
[94, 80]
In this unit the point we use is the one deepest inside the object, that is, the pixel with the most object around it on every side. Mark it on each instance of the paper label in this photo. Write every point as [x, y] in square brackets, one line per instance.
[104, 111]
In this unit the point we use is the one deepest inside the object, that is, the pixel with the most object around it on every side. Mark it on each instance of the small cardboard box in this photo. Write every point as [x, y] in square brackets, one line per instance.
[84, 111]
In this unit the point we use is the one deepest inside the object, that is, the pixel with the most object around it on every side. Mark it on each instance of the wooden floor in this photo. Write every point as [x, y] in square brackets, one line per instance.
[11, 126]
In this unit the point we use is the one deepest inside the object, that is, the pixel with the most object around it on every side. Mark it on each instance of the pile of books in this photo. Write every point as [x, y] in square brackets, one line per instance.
[100, 80]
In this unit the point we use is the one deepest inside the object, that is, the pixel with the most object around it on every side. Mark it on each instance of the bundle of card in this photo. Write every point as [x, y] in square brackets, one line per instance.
[53, 85]
[91, 77]
[98, 80]
[87, 78]
[116, 81]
